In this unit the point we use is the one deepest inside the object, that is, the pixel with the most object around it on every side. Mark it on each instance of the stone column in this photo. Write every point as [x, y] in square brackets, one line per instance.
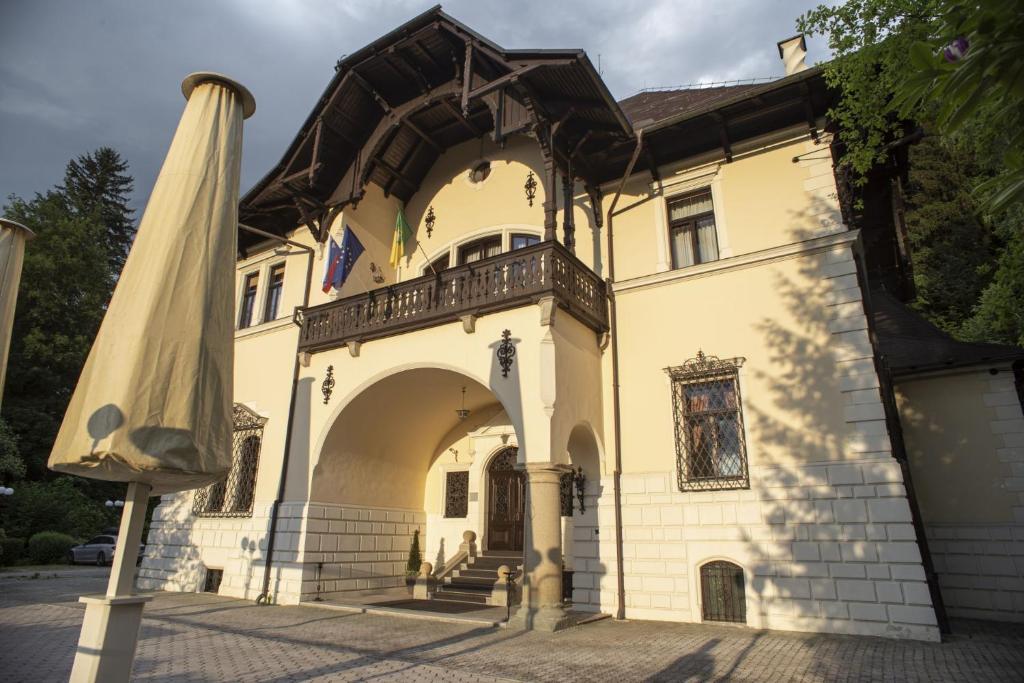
[542, 581]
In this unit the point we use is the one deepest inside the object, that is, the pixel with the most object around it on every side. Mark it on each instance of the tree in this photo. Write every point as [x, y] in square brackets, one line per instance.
[954, 66]
[98, 184]
[12, 467]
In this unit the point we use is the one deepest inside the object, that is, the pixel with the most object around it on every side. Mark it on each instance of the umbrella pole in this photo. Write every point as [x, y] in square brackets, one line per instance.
[110, 630]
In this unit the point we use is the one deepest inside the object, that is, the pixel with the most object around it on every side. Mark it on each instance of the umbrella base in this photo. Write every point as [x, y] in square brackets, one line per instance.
[106, 647]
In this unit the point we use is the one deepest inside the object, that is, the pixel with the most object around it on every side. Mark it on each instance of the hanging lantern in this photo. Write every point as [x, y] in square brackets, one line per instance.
[530, 187]
[462, 412]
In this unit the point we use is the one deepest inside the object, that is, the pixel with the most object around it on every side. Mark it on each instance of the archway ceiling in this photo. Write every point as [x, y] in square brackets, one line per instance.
[406, 415]
[394, 106]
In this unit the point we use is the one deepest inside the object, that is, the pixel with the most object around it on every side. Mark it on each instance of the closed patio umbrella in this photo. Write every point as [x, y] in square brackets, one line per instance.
[12, 253]
[153, 403]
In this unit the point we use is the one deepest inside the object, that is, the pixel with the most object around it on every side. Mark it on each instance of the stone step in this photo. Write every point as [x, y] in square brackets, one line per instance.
[469, 571]
[481, 582]
[445, 593]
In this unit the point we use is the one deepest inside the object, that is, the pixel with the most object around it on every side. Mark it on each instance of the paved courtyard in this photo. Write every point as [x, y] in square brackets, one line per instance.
[199, 637]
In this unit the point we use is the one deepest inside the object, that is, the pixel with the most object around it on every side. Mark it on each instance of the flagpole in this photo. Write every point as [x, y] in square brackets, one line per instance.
[425, 257]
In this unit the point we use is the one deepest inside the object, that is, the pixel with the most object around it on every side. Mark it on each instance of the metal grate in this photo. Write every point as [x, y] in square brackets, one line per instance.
[456, 497]
[723, 596]
[213, 579]
[710, 446]
[565, 483]
[234, 495]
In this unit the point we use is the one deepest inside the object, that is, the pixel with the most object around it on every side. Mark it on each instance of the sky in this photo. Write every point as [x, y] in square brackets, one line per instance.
[77, 75]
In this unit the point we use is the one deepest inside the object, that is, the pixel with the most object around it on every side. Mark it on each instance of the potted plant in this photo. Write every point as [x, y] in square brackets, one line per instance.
[412, 567]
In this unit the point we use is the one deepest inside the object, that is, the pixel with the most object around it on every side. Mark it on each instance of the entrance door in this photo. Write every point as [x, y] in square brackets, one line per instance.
[505, 502]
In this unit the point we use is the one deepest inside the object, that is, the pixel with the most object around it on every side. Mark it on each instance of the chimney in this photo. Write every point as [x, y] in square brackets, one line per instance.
[793, 51]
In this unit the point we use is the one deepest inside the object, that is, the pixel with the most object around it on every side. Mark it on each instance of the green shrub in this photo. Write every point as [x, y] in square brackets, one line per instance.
[59, 504]
[412, 567]
[50, 547]
[11, 550]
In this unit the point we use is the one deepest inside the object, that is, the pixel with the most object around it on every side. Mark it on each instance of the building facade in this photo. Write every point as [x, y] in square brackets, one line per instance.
[629, 345]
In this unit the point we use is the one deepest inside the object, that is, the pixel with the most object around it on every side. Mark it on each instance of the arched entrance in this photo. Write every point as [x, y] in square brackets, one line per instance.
[506, 502]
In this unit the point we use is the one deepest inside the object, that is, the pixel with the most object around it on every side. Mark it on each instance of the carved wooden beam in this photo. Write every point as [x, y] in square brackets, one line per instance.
[809, 110]
[372, 92]
[723, 136]
[464, 120]
[423, 135]
[411, 68]
[467, 79]
[594, 192]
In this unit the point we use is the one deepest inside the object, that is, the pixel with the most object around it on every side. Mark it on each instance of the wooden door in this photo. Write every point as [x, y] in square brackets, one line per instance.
[506, 503]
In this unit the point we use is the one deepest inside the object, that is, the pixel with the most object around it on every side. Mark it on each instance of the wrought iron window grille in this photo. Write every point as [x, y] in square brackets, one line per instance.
[722, 592]
[456, 496]
[234, 496]
[708, 413]
[572, 483]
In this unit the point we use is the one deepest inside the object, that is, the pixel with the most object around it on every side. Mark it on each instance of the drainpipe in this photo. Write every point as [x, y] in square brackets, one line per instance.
[264, 597]
[613, 331]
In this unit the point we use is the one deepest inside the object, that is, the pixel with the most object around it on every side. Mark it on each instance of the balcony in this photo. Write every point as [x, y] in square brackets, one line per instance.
[499, 283]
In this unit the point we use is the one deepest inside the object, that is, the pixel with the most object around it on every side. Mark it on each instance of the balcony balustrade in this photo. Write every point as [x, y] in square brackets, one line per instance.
[509, 280]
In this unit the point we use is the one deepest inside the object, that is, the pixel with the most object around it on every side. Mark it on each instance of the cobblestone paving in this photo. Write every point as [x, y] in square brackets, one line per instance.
[198, 637]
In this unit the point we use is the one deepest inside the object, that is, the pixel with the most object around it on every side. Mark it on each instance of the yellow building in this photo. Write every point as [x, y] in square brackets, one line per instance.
[627, 350]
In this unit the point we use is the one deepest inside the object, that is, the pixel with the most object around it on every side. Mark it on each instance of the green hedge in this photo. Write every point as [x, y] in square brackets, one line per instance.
[11, 550]
[50, 547]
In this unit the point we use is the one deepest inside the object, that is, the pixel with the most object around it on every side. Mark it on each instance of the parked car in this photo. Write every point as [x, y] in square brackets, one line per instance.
[98, 550]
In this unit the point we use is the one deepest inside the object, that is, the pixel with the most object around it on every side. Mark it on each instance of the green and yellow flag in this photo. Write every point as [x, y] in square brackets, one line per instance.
[402, 235]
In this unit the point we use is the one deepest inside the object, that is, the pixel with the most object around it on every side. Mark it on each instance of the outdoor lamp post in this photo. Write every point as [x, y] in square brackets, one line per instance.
[153, 403]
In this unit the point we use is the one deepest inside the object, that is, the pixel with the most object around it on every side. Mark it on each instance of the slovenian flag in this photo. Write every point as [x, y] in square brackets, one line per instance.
[340, 260]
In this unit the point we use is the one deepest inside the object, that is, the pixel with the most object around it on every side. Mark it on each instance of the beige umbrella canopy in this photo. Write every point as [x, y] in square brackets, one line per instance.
[12, 254]
[153, 403]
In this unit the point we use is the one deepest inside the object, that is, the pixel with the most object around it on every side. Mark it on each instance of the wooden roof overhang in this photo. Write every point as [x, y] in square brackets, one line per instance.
[397, 104]
[800, 99]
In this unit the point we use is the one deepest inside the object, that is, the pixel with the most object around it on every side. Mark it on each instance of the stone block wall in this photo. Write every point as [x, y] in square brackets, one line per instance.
[826, 547]
[360, 548]
[981, 566]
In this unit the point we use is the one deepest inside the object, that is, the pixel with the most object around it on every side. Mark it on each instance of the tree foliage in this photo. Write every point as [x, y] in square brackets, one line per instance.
[955, 69]
[83, 230]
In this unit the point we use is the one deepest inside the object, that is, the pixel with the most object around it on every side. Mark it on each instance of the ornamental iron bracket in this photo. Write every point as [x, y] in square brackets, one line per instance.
[506, 352]
[531, 187]
[328, 386]
[429, 222]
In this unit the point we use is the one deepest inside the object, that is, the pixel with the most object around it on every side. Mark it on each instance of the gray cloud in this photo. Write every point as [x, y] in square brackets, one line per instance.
[79, 75]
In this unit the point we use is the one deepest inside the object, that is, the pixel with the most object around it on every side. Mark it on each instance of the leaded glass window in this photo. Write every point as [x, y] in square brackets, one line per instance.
[234, 495]
[710, 447]
[456, 494]
[565, 484]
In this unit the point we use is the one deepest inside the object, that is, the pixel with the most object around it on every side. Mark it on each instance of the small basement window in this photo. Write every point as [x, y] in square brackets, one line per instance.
[213, 579]
[722, 592]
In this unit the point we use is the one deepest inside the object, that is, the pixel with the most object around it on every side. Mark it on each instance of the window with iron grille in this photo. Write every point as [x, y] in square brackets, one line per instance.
[565, 483]
[234, 495]
[722, 592]
[710, 447]
[456, 495]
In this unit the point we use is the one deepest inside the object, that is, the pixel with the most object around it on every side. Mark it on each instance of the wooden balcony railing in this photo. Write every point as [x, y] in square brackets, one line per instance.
[509, 280]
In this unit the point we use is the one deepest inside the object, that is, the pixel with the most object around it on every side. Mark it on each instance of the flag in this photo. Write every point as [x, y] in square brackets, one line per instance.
[340, 260]
[351, 250]
[331, 264]
[402, 235]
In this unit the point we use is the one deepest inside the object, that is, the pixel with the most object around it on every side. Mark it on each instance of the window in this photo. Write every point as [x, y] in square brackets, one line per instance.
[565, 483]
[440, 263]
[456, 496]
[520, 241]
[248, 300]
[233, 496]
[722, 593]
[692, 229]
[479, 172]
[274, 293]
[482, 248]
[213, 579]
[710, 448]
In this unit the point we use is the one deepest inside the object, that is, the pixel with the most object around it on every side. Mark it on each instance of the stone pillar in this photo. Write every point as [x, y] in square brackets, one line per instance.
[542, 570]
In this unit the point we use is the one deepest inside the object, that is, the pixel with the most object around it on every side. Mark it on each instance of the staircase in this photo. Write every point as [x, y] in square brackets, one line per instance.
[474, 580]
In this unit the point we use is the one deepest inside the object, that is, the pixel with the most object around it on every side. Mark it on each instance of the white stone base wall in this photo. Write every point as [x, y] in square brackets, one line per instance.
[361, 548]
[980, 569]
[824, 547]
[591, 550]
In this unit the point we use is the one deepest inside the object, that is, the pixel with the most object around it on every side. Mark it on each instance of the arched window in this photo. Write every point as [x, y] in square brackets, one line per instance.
[722, 592]
[234, 495]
